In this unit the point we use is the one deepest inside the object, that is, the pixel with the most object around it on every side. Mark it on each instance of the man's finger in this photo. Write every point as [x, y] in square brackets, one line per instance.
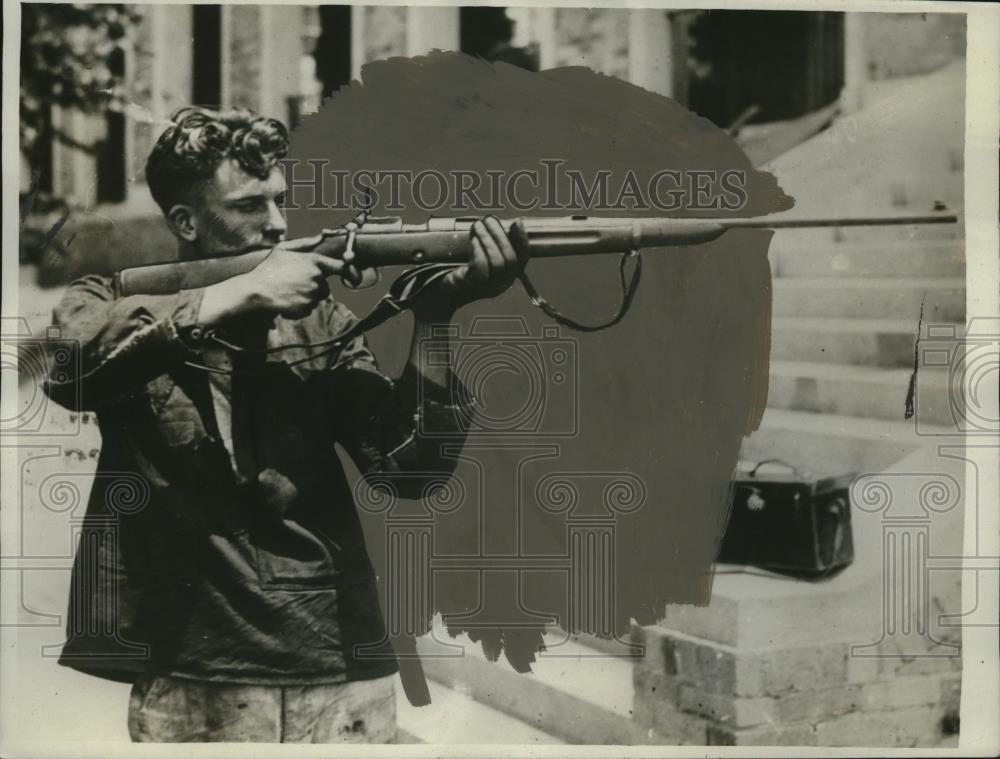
[519, 242]
[494, 257]
[331, 246]
[494, 227]
[479, 267]
[503, 244]
[302, 243]
[322, 290]
[326, 264]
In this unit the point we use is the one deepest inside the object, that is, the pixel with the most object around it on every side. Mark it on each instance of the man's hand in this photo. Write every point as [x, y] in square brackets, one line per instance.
[286, 283]
[497, 260]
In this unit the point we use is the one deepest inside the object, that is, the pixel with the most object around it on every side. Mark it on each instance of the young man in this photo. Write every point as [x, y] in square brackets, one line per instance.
[236, 593]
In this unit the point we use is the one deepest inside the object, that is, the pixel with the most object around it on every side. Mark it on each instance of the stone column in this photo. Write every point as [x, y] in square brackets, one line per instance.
[281, 57]
[383, 31]
[633, 44]
[650, 51]
[160, 75]
[242, 42]
[262, 50]
[535, 26]
[377, 31]
[855, 63]
[74, 167]
[429, 28]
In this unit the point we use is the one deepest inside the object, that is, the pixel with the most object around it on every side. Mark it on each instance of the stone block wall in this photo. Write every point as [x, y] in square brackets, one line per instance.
[694, 691]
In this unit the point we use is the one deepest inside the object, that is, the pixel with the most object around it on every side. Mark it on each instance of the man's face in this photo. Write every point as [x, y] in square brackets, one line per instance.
[236, 210]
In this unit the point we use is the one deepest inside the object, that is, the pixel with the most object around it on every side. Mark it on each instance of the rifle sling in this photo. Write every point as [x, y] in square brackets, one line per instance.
[406, 289]
[409, 286]
[628, 294]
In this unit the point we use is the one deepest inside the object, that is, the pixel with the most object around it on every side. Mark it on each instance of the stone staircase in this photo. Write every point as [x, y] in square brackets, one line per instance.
[847, 302]
[842, 350]
[846, 319]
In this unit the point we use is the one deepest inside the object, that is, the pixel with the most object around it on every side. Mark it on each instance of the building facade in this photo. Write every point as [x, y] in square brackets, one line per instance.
[282, 60]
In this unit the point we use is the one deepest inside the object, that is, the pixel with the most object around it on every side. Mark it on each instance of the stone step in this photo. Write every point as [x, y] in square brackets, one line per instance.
[884, 343]
[859, 391]
[828, 443]
[580, 694]
[453, 717]
[943, 299]
[867, 258]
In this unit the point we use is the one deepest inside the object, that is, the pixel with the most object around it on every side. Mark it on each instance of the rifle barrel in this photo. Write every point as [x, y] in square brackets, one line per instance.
[934, 217]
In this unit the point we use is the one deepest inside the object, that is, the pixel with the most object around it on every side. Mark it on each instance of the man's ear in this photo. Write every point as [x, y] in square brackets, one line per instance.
[182, 222]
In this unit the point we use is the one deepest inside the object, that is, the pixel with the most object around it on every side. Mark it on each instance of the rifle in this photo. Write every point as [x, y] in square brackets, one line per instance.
[388, 241]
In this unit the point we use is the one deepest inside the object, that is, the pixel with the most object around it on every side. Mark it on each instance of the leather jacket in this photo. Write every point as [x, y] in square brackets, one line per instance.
[243, 562]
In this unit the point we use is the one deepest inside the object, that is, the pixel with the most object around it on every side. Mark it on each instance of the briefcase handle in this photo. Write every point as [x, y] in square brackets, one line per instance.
[781, 462]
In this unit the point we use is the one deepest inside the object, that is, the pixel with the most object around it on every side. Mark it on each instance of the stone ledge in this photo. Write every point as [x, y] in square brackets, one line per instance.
[727, 670]
[753, 611]
[914, 726]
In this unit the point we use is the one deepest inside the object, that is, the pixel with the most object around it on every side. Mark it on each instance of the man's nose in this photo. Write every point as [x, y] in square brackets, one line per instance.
[276, 225]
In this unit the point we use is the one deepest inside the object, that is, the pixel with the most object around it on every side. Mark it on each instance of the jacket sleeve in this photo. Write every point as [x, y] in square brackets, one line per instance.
[116, 345]
[402, 434]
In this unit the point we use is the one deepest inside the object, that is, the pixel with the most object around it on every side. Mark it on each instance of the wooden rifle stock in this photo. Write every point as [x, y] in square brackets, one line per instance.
[386, 241]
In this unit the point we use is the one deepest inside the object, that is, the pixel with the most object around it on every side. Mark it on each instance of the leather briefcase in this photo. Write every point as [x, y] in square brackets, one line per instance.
[786, 520]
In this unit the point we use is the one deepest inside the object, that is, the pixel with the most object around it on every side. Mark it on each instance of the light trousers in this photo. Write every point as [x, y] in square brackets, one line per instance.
[177, 710]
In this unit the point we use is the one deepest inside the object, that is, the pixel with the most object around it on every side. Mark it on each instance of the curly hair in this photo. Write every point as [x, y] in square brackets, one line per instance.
[191, 149]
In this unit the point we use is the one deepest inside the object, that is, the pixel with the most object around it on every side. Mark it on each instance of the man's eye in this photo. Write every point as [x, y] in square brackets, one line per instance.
[280, 200]
[249, 206]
